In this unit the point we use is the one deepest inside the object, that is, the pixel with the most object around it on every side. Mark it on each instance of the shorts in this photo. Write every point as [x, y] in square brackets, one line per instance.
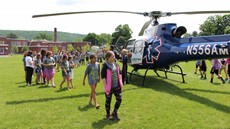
[64, 74]
[216, 71]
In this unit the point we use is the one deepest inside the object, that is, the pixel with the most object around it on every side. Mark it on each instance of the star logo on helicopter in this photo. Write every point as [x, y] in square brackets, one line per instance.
[152, 50]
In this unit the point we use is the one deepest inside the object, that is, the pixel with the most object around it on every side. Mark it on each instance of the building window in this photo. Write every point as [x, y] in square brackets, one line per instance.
[44, 49]
[15, 43]
[1, 50]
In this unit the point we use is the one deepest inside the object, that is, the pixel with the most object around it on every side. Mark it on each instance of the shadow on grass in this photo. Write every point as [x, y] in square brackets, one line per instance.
[208, 91]
[46, 99]
[58, 98]
[161, 85]
[21, 82]
[103, 122]
[86, 107]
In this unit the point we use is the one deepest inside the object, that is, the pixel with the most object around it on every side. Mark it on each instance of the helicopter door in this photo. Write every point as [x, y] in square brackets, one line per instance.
[137, 53]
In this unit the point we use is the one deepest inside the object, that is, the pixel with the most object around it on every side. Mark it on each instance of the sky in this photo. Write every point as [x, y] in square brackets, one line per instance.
[17, 14]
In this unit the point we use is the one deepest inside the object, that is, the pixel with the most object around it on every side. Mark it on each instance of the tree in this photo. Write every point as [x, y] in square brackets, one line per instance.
[70, 47]
[55, 48]
[12, 35]
[121, 30]
[215, 25]
[44, 36]
[186, 35]
[227, 30]
[93, 38]
[25, 48]
[104, 39]
[86, 48]
[194, 33]
[14, 49]
[78, 48]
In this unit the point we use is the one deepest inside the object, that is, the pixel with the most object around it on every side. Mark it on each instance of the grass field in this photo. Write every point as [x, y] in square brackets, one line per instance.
[161, 103]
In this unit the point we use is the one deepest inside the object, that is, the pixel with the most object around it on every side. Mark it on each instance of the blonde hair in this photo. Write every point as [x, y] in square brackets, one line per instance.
[124, 51]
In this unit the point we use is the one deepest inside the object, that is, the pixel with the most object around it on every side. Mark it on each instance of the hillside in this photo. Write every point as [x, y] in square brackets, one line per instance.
[61, 36]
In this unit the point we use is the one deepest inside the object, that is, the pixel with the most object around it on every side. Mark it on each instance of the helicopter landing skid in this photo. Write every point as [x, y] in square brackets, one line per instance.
[170, 70]
[142, 76]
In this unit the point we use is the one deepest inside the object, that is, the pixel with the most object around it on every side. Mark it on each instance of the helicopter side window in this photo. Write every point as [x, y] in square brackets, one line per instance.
[179, 31]
[138, 47]
[130, 45]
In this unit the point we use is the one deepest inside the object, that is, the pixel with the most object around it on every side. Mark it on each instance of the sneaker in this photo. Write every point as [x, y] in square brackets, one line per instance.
[226, 79]
[205, 78]
[115, 116]
[194, 72]
[97, 106]
[109, 117]
[223, 81]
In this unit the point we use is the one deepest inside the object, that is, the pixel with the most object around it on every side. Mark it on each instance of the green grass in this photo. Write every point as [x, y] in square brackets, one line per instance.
[161, 103]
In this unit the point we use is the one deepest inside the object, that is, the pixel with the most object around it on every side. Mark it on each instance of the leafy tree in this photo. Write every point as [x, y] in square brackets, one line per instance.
[227, 30]
[194, 33]
[93, 38]
[86, 47]
[104, 39]
[70, 47]
[14, 49]
[12, 35]
[121, 30]
[186, 35]
[44, 36]
[78, 48]
[55, 48]
[25, 48]
[78, 39]
[215, 25]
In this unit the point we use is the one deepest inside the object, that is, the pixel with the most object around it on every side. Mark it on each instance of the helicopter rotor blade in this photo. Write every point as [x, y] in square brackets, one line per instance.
[84, 12]
[145, 26]
[196, 12]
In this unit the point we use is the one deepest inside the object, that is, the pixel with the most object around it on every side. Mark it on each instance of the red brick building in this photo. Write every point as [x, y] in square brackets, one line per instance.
[7, 43]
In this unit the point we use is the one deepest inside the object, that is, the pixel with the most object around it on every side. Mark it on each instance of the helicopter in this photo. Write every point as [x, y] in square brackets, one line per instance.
[161, 46]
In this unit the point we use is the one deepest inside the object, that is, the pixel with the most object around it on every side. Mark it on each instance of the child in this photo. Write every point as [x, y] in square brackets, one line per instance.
[71, 71]
[124, 66]
[216, 65]
[198, 64]
[49, 68]
[65, 71]
[93, 72]
[112, 82]
[203, 69]
[223, 67]
[228, 63]
[38, 68]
